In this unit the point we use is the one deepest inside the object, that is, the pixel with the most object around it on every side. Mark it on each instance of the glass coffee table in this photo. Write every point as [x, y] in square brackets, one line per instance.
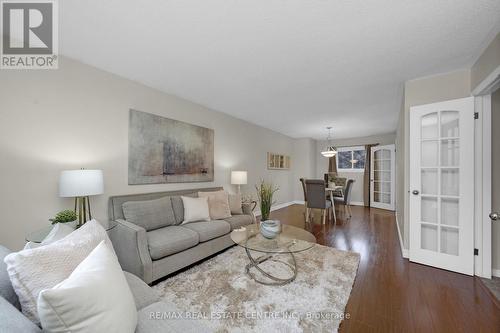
[291, 240]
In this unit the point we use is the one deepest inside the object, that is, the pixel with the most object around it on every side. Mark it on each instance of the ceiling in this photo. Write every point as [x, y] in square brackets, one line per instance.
[291, 66]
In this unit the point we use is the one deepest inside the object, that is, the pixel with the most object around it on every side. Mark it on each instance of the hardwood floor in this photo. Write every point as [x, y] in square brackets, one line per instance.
[391, 294]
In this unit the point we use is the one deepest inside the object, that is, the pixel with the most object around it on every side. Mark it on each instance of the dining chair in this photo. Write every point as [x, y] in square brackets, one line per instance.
[316, 198]
[346, 198]
[307, 212]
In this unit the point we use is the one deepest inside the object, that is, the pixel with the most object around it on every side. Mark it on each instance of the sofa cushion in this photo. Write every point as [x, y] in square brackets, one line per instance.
[143, 294]
[239, 221]
[12, 320]
[178, 208]
[150, 214]
[169, 240]
[6, 289]
[209, 230]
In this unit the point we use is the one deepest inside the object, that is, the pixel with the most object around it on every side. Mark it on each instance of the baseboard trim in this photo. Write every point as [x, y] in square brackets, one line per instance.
[357, 203]
[495, 272]
[404, 252]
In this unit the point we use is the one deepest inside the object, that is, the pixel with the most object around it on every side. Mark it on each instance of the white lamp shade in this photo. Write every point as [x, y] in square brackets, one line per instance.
[80, 183]
[238, 177]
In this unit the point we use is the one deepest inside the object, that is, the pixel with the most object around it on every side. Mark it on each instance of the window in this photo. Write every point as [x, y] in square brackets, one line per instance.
[351, 159]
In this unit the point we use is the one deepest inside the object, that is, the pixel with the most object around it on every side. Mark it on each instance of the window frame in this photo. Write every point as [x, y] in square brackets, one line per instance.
[351, 149]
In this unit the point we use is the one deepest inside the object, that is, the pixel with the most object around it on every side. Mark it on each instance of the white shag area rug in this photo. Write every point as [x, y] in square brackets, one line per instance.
[219, 292]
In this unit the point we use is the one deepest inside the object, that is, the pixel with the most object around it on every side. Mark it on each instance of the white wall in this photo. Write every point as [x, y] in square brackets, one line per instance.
[77, 116]
[322, 162]
[486, 63]
[303, 164]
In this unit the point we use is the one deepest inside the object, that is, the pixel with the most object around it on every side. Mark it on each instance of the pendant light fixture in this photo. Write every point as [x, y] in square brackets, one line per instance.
[330, 150]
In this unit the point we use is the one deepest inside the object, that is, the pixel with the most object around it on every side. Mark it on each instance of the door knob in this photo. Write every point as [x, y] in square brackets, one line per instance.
[415, 192]
[494, 216]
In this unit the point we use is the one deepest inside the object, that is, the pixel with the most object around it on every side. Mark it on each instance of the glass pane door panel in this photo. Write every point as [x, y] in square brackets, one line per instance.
[430, 126]
[429, 181]
[385, 198]
[449, 240]
[385, 154]
[449, 211]
[429, 209]
[382, 187]
[449, 182]
[449, 124]
[428, 237]
[429, 153]
[377, 154]
[383, 175]
[450, 153]
[382, 165]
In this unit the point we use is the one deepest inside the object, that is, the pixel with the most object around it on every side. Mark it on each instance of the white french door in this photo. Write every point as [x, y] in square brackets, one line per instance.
[442, 185]
[382, 177]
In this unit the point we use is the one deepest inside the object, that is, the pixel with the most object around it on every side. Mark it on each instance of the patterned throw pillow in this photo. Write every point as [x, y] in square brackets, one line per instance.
[218, 204]
[34, 270]
[235, 204]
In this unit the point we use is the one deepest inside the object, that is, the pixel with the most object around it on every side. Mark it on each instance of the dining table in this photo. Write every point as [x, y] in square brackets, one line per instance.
[334, 189]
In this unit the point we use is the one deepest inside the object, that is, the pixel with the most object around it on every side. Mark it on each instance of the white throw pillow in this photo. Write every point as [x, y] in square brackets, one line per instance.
[94, 298]
[195, 209]
[33, 270]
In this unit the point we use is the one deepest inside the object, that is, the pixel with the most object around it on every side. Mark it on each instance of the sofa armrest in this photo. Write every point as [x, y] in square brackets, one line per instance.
[131, 247]
[248, 208]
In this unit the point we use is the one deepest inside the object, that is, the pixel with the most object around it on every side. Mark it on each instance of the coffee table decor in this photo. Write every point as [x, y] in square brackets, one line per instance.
[219, 291]
[285, 242]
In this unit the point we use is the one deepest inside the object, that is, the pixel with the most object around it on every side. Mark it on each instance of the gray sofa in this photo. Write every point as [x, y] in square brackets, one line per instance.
[151, 243]
[146, 300]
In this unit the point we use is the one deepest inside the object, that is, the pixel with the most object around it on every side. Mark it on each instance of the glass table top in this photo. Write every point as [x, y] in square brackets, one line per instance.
[39, 235]
[290, 240]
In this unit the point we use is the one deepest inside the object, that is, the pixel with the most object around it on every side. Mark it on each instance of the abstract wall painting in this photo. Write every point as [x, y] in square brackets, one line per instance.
[163, 150]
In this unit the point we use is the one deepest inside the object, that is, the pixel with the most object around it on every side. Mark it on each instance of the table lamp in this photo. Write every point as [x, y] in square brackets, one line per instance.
[81, 184]
[238, 178]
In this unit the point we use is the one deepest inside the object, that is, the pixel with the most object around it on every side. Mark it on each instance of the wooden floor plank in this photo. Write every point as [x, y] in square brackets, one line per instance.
[390, 293]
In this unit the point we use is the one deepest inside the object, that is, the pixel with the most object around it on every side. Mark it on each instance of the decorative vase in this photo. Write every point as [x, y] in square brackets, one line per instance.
[270, 228]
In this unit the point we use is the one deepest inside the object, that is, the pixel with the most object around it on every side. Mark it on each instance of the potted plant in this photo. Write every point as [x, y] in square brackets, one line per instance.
[66, 216]
[265, 193]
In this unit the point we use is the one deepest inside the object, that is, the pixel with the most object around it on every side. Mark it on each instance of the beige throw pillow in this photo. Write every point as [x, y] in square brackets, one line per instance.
[218, 204]
[235, 204]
